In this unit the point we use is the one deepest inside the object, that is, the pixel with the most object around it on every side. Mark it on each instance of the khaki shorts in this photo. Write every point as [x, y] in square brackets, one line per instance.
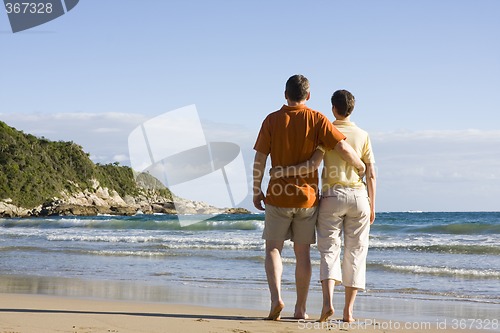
[297, 224]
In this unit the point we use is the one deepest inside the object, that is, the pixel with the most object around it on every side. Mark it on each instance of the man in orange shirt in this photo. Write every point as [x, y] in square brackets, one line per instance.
[291, 136]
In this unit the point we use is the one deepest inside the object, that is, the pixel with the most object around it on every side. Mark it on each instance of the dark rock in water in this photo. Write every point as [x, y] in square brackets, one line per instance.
[237, 211]
[117, 210]
[163, 208]
[73, 210]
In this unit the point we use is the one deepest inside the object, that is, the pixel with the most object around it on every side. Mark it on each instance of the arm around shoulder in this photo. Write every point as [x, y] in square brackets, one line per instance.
[301, 169]
[350, 156]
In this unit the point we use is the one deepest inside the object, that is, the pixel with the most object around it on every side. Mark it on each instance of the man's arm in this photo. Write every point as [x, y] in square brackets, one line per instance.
[259, 165]
[350, 156]
[371, 183]
[301, 169]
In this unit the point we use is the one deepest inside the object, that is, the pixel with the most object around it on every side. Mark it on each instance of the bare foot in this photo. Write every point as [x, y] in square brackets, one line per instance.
[275, 313]
[347, 318]
[304, 316]
[325, 314]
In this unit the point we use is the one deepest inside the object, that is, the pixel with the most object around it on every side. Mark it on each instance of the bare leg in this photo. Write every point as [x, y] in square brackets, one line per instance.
[350, 296]
[274, 270]
[303, 273]
[328, 310]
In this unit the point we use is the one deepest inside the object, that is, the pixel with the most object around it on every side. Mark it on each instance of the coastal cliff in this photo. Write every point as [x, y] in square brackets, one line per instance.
[39, 177]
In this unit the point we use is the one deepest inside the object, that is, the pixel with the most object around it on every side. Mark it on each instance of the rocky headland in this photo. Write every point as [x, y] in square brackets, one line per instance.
[101, 200]
[39, 177]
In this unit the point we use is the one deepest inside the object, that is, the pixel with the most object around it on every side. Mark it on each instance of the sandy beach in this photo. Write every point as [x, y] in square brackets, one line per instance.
[20, 313]
[426, 272]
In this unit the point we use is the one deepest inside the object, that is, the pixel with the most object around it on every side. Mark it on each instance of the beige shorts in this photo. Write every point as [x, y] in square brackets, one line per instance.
[297, 224]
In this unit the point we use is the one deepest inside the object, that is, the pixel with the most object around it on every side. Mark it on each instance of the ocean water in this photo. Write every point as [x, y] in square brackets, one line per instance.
[453, 257]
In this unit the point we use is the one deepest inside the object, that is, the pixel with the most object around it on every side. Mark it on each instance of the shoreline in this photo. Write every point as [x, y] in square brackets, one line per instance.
[234, 310]
[42, 313]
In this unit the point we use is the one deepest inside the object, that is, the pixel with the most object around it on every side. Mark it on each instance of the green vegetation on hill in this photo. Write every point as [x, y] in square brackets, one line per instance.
[34, 170]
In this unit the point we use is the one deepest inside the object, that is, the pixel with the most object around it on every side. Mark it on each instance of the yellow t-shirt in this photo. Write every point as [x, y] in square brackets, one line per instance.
[336, 171]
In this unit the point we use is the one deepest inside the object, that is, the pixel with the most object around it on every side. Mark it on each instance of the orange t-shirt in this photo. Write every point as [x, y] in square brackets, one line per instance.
[291, 135]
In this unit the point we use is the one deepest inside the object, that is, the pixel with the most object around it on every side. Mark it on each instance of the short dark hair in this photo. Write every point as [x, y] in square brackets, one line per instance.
[344, 101]
[297, 88]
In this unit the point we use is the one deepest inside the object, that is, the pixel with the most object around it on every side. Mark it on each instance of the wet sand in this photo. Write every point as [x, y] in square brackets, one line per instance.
[43, 304]
[39, 313]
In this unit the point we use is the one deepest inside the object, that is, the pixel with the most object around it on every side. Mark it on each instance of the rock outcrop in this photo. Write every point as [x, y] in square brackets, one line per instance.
[39, 177]
[101, 200]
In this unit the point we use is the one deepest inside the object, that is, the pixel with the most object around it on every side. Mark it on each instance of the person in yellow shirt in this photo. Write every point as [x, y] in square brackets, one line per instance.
[347, 206]
[289, 136]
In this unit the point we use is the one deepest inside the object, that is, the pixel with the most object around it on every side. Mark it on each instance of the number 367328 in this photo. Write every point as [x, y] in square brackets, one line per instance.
[28, 8]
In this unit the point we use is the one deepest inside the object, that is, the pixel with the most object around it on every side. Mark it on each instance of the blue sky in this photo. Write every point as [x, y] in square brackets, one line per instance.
[425, 74]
